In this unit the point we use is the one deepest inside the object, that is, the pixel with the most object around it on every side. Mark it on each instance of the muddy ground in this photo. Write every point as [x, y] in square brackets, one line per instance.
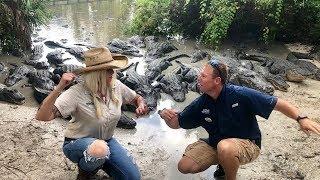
[32, 149]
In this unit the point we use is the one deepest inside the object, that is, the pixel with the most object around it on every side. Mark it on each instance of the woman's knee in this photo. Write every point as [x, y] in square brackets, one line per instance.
[187, 165]
[98, 149]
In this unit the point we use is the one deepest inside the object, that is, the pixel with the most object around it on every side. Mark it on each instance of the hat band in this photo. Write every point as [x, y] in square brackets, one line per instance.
[99, 63]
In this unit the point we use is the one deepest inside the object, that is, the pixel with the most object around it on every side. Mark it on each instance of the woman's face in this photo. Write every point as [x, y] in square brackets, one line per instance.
[110, 73]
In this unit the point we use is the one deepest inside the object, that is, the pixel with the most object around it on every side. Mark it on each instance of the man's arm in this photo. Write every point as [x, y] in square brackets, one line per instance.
[171, 118]
[291, 111]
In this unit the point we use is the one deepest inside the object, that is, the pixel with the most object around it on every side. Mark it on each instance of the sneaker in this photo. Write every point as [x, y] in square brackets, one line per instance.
[126, 122]
[219, 171]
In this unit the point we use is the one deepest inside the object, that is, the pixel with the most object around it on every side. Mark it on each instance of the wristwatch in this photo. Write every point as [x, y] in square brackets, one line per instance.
[301, 117]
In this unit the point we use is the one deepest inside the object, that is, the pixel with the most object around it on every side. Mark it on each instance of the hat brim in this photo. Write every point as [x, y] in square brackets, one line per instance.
[119, 62]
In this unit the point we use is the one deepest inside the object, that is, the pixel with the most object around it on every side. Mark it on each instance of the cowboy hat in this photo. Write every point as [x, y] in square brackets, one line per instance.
[101, 58]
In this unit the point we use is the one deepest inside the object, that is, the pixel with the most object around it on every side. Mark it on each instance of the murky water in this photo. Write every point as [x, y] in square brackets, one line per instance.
[98, 22]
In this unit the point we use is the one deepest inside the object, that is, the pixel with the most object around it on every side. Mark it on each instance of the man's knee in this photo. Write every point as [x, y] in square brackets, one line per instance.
[226, 147]
[98, 149]
[187, 165]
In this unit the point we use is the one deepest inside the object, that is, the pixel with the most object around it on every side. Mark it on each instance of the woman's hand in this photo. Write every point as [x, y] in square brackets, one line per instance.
[65, 80]
[142, 109]
[308, 126]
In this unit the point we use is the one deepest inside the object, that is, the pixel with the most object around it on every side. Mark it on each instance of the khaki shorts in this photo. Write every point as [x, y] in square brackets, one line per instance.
[205, 155]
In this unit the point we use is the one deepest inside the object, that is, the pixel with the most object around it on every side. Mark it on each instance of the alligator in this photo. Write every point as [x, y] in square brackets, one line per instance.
[16, 74]
[278, 81]
[173, 85]
[36, 52]
[54, 44]
[142, 86]
[159, 49]
[1, 67]
[137, 41]
[76, 51]
[150, 40]
[55, 57]
[41, 79]
[199, 55]
[245, 77]
[126, 122]
[189, 74]
[122, 47]
[281, 67]
[63, 68]
[306, 65]
[155, 67]
[11, 95]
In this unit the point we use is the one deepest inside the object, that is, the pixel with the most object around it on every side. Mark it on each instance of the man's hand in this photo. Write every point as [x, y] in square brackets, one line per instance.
[171, 117]
[308, 126]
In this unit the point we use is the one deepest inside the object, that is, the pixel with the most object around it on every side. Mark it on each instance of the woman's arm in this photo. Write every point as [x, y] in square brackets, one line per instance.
[47, 110]
[291, 111]
[141, 105]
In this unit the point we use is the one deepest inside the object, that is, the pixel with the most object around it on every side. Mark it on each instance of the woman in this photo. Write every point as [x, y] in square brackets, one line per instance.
[95, 105]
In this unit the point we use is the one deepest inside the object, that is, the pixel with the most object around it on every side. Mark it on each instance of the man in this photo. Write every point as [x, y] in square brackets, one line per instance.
[227, 112]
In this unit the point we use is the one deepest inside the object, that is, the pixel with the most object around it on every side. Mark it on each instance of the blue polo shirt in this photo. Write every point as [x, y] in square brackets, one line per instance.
[231, 115]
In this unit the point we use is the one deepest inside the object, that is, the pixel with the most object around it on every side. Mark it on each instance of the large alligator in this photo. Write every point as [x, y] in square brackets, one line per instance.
[159, 49]
[11, 95]
[278, 81]
[54, 44]
[142, 86]
[137, 41]
[155, 67]
[55, 57]
[16, 74]
[76, 51]
[246, 77]
[122, 47]
[1, 67]
[189, 74]
[306, 65]
[199, 55]
[173, 85]
[36, 52]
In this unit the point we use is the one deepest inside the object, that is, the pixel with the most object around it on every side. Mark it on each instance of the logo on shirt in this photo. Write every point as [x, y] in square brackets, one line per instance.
[205, 111]
[208, 119]
[235, 105]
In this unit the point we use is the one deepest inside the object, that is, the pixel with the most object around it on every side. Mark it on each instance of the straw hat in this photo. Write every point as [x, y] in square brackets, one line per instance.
[101, 58]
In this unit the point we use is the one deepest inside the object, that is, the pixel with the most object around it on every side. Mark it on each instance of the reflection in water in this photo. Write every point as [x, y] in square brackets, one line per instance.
[98, 22]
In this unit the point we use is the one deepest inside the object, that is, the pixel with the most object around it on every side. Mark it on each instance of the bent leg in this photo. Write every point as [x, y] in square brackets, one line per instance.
[234, 152]
[121, 164]
[88, 153]
[198, 157]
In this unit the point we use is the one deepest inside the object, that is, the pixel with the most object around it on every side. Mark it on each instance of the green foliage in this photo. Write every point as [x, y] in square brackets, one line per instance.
[151, 17]
[214, 20]
[17, 19]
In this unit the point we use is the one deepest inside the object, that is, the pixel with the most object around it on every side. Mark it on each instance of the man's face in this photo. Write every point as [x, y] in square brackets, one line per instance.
[206, 82]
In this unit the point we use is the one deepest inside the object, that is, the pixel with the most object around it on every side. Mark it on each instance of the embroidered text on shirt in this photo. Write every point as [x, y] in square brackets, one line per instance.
[208, 119]
[205, 111]
[235, 105]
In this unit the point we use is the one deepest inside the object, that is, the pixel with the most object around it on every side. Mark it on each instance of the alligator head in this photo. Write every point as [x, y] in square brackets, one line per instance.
[11, 96]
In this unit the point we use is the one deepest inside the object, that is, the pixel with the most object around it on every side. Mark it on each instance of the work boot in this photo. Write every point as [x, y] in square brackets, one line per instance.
[84, 175]
[126, 122]
[219, 171]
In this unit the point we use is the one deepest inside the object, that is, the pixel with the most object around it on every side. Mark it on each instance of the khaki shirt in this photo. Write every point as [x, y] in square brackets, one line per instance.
[78, 102]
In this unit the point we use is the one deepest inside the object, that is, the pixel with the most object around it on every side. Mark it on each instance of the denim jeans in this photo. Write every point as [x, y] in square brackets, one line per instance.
[119, 165]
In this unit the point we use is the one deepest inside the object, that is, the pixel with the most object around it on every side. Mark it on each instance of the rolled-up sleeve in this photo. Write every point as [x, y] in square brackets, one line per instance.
[189, 118]
[127, 94]
[67, 102]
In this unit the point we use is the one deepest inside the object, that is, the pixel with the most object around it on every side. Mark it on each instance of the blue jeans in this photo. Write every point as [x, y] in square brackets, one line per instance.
[120, 164]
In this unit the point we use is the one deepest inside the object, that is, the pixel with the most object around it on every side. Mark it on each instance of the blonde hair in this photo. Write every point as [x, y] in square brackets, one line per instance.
[96, 83]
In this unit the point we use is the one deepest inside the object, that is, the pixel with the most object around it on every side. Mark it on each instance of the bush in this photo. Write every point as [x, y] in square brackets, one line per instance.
[17, 19]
